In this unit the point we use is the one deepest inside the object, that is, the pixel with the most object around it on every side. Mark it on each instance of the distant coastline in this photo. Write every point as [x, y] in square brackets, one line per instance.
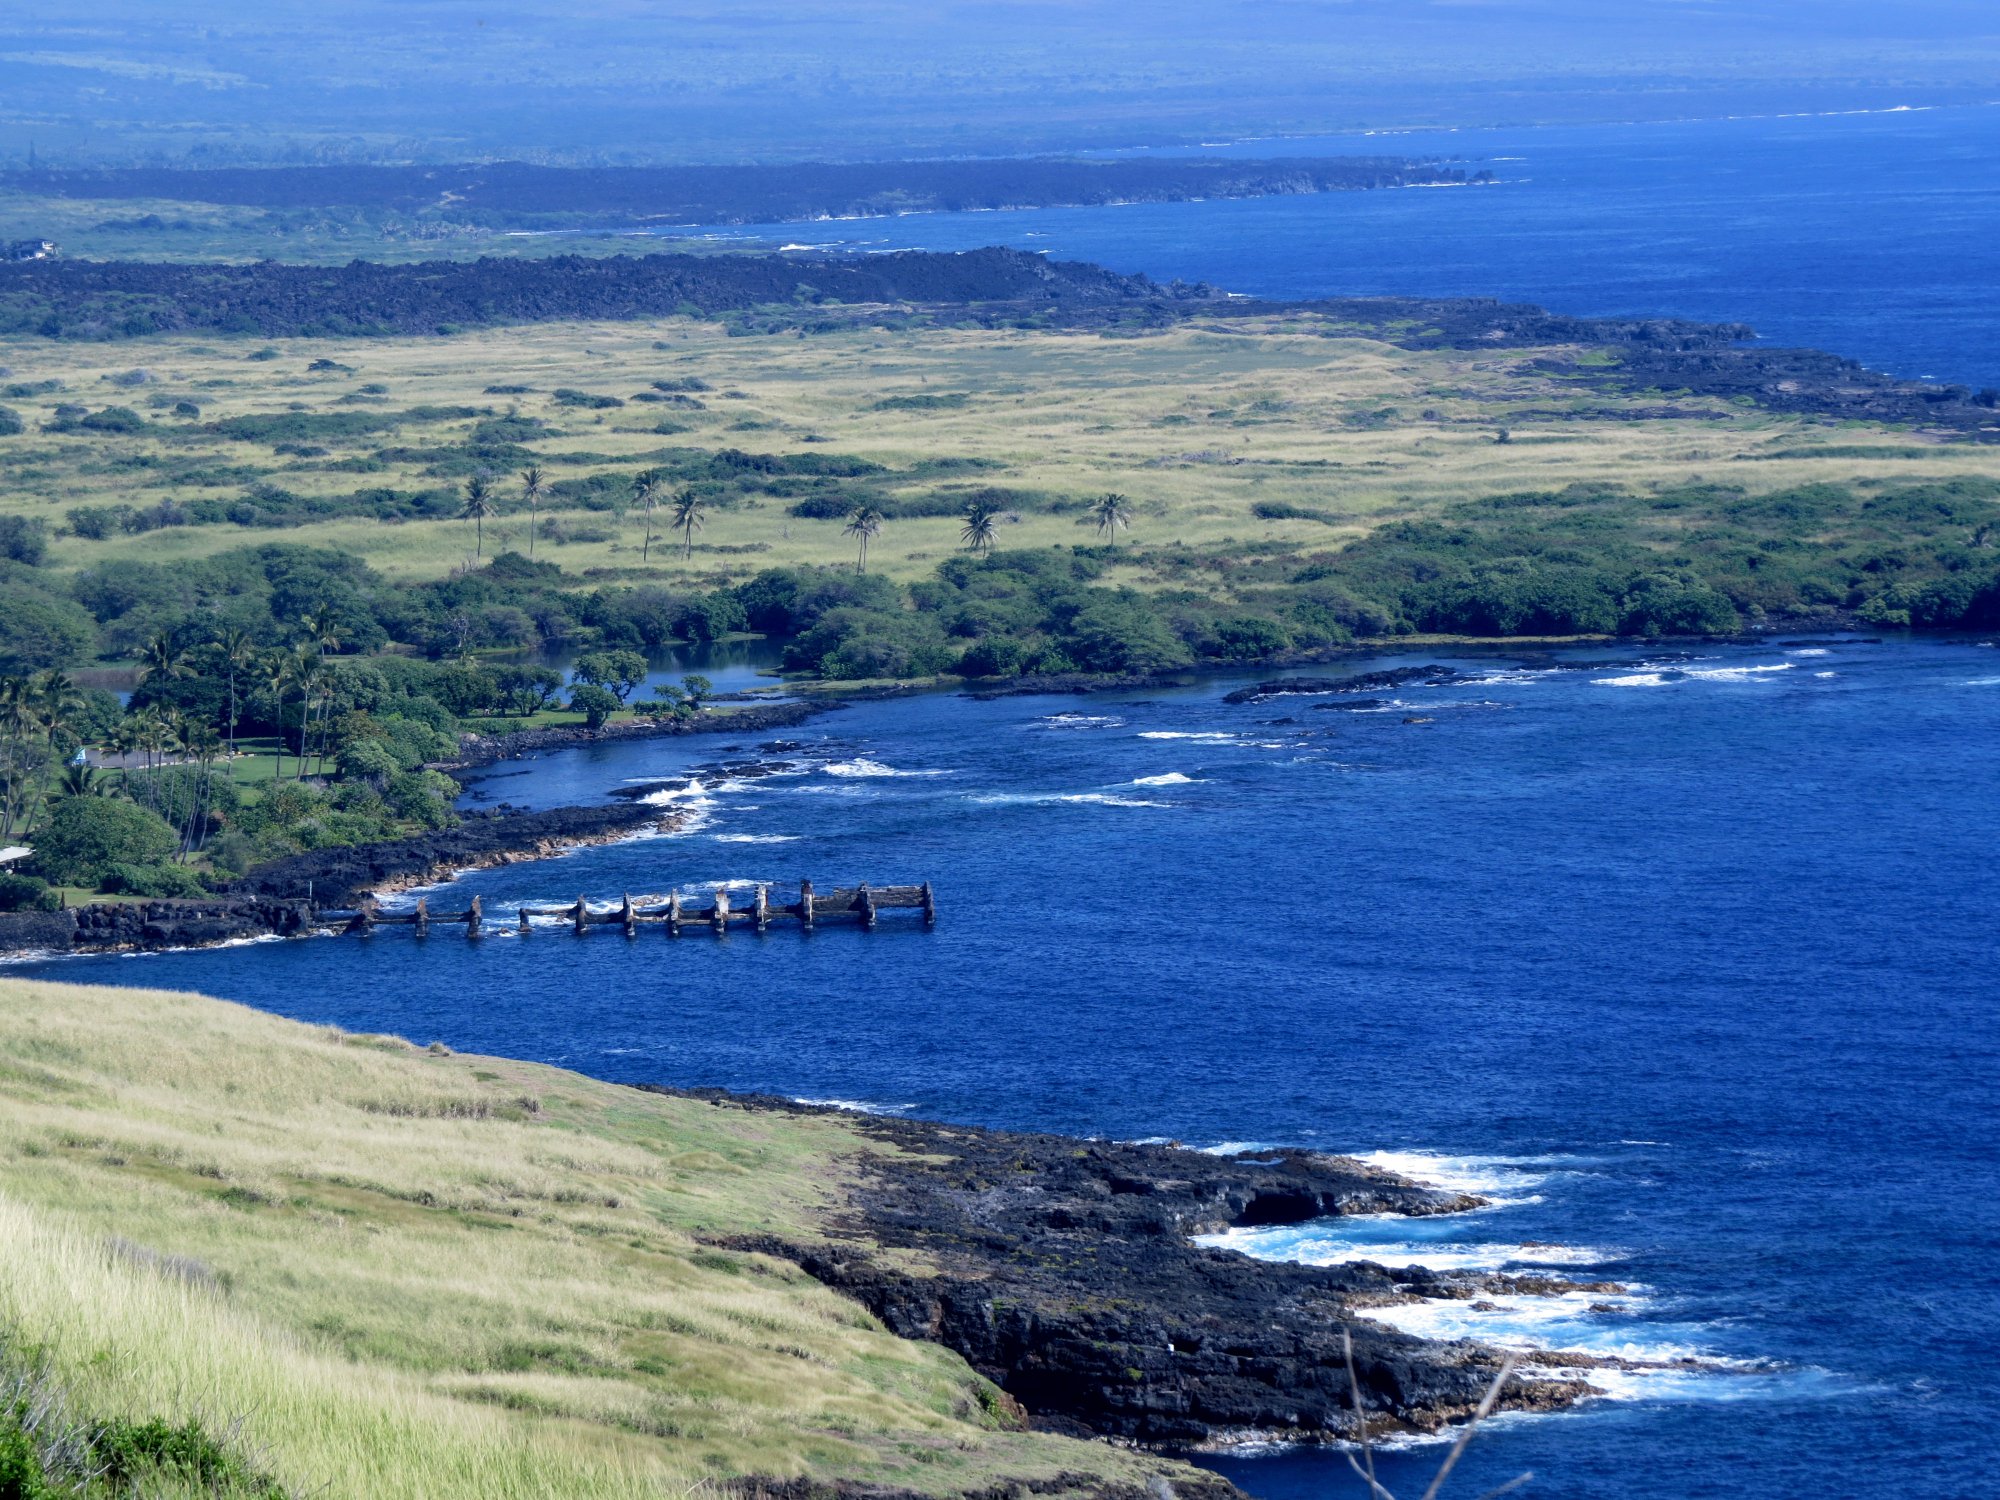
[519, 195]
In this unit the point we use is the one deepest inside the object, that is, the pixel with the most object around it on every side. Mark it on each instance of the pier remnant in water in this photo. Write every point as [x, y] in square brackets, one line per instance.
[862, 903]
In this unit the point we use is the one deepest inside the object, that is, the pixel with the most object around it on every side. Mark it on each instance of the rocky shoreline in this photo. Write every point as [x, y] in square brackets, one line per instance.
[1066, 1272]
[476, 750]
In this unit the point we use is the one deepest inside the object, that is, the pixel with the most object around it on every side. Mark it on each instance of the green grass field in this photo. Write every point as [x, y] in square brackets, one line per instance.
[411, 1274]
[1199, 427]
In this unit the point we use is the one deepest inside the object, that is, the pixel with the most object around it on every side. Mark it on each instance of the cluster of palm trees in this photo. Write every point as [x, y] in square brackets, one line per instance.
[688, 516]
[36, 719]
[1110, 514]
[299, 671]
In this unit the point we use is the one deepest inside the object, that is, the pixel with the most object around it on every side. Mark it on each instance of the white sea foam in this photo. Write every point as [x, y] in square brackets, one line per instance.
[1033, 799]
[1667, 676]
[1809, 651]
[1636, 679]
[1469, 1174]
[1199, 737]
[863, 768]
[856, 1106]
[1171, 778]
[1734, 674]
[1564, 1321]
[694, 791]
[756, 838]
[1078, 721]
[1235, 1148]
[1334, 1242]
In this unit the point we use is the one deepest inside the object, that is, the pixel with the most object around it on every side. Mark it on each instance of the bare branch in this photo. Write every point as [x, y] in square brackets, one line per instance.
[1360, 1416]
[1485, 1409]
[1513, 1484]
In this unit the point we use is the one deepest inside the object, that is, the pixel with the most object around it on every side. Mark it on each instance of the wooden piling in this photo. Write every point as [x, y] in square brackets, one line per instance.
[422, 921]
[721, 913]
[582, 917]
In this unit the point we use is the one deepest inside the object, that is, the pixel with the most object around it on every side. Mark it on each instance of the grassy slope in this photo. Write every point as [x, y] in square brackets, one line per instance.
[441, 1275]
[1197, 426]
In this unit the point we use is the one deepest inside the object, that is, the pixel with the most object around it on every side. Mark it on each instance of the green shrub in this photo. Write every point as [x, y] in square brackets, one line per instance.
[26, 893]
[596, 704]
[86, 836]
[20, 1469]
[158, 881]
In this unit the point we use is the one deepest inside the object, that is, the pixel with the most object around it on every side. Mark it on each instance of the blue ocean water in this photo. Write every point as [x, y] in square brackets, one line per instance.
[1874, 235]
[1684, 957]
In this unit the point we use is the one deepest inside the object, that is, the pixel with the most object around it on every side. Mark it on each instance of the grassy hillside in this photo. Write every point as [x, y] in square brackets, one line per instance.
[1214, 434]
[383, 1270]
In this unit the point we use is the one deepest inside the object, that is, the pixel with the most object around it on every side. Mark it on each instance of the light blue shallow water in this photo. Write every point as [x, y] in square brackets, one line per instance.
[1876, 235]
[1688, 961]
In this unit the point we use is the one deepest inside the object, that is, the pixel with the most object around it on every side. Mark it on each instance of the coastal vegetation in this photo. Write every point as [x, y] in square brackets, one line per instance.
[1034, 501]
[316, 565]
[253, 1258]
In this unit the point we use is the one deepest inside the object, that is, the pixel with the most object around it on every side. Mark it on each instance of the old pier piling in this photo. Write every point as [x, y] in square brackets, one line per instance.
[862, 904]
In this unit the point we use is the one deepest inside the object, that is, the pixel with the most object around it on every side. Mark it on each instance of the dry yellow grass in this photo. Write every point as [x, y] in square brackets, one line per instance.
[415, 1274]
[1197, 425]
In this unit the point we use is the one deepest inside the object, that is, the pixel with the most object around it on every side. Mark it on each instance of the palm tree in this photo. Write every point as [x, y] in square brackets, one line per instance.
[1109, 514]
[866, 524]
[321, 630]
[164, 658]
[236, 652]
[646, 494]
[688, 519]
[977, 533]
[276, 671]
[82, 781]
[306, 673]
[55, 698]
[478, 506]
[17, 719]
[531, 491]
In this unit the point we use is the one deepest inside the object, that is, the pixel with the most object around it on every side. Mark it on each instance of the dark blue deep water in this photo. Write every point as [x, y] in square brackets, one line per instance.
[1874, 235]
[1686, 959]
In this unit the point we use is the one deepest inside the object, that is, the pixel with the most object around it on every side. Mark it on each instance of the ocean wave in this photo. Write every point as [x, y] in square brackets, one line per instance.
[1170, 778]
[1636, 679]
[1610, 1325]
[1734, 674]
[1078, 721]
[1194, 736]
[863, 768]
[1035, 799]
[756, 838]
[694, 791]
[855, 1106]
[1665, 676]
[1236, 1148]
[1336, 1242]
[1470, 1174]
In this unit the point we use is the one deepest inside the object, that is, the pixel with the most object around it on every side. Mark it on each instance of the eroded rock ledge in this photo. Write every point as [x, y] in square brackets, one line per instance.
[1064, 1271]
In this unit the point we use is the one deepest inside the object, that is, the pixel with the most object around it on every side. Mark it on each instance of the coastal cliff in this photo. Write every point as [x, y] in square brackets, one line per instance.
[415, 1273]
